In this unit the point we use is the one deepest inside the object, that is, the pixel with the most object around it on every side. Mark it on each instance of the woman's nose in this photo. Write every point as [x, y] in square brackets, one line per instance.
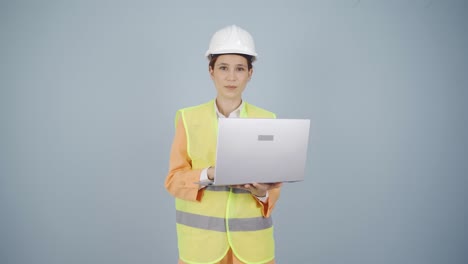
[231, 76]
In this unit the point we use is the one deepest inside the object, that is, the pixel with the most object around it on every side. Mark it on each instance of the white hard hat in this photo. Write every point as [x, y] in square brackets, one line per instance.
[231, 39]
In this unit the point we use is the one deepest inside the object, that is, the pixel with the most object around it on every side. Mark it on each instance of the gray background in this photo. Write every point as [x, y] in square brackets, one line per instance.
[89, 90]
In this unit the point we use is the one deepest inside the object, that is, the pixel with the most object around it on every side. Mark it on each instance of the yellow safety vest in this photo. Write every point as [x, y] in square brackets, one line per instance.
[226, 217]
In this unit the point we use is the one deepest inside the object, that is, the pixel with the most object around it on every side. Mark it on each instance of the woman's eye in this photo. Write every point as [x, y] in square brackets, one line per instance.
[241, 69]
[223, 68]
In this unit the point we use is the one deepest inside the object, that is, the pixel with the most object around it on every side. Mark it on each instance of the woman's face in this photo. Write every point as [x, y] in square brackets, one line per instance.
[230, 75]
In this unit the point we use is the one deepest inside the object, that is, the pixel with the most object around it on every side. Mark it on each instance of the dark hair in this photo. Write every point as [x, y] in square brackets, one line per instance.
[214, 57]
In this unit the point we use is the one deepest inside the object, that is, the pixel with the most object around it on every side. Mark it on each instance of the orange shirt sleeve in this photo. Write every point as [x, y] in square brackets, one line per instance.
[180, 181]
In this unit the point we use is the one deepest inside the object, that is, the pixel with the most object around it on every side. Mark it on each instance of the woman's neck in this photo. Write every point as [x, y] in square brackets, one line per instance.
[227, 106]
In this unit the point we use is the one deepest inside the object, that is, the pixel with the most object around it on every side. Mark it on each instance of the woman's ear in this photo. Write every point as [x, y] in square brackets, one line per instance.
[250, 73]
[210, 70]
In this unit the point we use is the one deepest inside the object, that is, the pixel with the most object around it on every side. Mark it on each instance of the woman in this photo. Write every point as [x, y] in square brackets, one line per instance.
[220, 224]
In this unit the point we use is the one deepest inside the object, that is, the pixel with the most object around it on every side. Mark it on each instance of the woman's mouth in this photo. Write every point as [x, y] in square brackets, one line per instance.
[231, 87]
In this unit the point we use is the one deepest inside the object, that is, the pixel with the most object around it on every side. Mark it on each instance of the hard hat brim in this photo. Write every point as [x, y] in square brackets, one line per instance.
[230, 51]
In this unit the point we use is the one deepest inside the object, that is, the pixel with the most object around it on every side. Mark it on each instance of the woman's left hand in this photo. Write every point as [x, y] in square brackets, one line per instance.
[259, 189]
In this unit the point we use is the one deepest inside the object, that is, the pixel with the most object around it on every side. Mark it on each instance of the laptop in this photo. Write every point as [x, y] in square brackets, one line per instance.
[260, 150]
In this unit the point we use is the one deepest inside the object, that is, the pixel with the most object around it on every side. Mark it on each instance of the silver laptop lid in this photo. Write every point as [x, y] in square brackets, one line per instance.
[261, 150]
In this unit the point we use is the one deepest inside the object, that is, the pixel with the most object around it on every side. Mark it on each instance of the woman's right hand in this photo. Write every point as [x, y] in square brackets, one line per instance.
[210, 173]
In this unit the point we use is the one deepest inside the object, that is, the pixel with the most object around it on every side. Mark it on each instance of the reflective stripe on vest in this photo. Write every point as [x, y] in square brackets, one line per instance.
[219, 224]
[226, 217]
[225, 189]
